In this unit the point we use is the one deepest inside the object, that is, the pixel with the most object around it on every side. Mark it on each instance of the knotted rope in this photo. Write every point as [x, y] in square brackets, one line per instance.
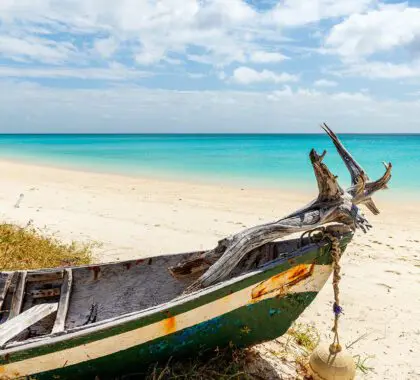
[335, 249]
[336, 253]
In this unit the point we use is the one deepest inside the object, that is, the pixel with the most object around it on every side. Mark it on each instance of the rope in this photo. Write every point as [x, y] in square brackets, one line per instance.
[336, 253]
[335, 346]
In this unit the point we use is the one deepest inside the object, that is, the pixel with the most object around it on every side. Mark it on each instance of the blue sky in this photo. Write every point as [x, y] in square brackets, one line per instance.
[209, 65]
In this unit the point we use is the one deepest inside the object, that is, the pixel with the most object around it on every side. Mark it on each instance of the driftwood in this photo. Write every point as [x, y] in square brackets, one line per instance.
[333, 204]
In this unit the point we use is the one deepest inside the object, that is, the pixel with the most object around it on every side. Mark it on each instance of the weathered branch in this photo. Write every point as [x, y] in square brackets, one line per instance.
[329, 189]
[362, 189]
[333, 204]
[354, 168]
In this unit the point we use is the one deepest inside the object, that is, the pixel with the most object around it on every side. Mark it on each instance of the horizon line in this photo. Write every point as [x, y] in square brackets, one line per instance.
[195, 133]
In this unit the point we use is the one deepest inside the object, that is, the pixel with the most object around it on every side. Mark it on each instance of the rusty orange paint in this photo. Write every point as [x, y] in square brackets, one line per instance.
[169, 325]
[282, 281]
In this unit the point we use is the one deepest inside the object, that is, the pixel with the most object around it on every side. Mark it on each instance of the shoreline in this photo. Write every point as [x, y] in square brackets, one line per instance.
[165, 177]
[133, 217]
[404, 197]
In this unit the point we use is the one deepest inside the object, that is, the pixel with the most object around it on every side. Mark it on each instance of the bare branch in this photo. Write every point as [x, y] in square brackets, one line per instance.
[362, 189]
[354, 168]
[381, 183]
[333, 204]
[329, 189]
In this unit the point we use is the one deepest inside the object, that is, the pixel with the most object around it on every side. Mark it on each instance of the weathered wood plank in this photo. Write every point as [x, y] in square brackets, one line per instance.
[45, 293]
[63, 307]
[46, 276]
[6, 279]
[15, 326]
[18, 295]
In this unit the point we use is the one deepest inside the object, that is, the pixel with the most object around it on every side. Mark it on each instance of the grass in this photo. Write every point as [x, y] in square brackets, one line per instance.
[305, 335]
[27, 248]
[361, 364]
[243, 364]
[224, 364]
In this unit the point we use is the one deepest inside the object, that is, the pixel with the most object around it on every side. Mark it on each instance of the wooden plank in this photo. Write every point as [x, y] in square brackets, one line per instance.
[5, 284]
[44, 276]
[63, 307]
[18, 295]
[44, 293]
[14, 327]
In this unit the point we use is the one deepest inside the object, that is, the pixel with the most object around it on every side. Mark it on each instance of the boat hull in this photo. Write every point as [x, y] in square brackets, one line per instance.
[244, 311]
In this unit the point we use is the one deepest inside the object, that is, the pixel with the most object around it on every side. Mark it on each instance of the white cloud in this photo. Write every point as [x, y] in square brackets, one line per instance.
[382, 70]
[325, 83]
[308, 94]
[35, 49]
[206, 31]
[285, 92]
[372, 44]
[152, 29]
[28, 107]
[115, 72]
[388, 27]
[106, 47]
[355, 96]
[245, 75]
[267, 57]
[301, 12]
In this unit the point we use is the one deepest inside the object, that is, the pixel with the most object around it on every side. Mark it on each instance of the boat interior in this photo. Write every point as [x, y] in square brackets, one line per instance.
[37, 303]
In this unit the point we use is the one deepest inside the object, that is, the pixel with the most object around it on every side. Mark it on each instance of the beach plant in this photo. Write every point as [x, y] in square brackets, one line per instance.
[361, 364]
[229, 363]
[305, 335]
[27, 248]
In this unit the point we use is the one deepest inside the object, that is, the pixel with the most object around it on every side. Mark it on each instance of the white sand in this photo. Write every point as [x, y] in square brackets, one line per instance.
[133, 217]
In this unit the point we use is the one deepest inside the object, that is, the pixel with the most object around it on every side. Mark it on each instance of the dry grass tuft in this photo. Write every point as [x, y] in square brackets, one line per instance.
[225, 364]
[283, 358]
[27, 248]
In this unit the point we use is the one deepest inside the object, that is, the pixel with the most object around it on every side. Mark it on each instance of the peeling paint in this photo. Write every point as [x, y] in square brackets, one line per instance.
[169, 324]
[281, 282]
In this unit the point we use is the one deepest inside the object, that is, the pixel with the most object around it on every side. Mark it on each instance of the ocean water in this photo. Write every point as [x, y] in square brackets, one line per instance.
[279, 160]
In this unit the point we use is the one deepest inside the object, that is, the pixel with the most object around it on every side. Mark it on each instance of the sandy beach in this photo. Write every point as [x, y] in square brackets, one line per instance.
[133, 217]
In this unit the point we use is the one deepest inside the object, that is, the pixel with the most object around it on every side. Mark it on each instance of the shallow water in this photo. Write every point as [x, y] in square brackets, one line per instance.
[266, 160]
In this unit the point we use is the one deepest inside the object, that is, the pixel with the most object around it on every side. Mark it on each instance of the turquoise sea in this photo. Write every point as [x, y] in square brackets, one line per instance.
[248, 159]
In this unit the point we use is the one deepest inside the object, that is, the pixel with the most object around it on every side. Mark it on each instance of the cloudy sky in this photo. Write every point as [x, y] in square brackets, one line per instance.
[209, 65]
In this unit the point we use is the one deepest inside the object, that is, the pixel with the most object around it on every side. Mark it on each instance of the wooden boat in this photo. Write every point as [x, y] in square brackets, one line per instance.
[110, 319]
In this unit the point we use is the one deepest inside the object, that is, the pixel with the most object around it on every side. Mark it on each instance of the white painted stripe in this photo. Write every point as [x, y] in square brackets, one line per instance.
[126, 340]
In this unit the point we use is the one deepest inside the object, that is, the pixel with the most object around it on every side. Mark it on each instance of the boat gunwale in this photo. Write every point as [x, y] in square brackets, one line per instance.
[120, 320]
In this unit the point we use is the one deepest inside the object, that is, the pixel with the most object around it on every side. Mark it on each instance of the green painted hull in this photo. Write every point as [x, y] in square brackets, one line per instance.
[181, 329]
[242, 327]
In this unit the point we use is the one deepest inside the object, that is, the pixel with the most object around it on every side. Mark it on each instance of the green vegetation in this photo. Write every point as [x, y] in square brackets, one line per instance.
[27, 248]
[222, 365]
[306, 336]
[361, 364]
